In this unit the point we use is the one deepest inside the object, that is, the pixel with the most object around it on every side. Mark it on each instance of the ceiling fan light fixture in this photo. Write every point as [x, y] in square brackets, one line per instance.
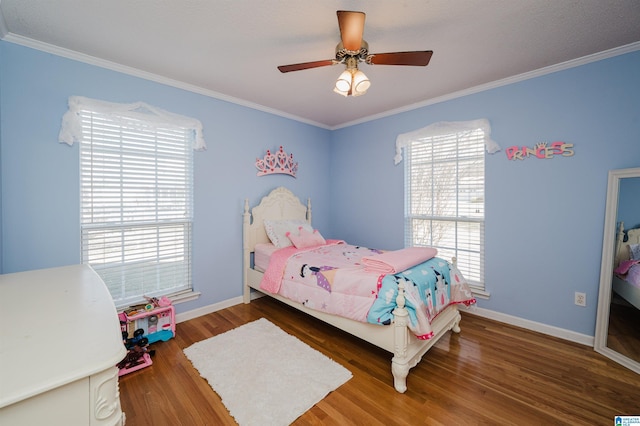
[352, 82]
[353, 49]
[360, 83]
[340, 92]
[343, 84]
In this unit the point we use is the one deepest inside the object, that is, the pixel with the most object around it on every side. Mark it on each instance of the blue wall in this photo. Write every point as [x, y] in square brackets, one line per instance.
[544, 217]
[40, 178]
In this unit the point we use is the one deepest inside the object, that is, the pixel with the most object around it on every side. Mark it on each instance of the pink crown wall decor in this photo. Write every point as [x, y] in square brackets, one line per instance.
[279, 162]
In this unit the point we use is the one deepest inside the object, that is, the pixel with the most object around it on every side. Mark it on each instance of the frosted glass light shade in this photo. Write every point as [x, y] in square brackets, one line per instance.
[352, 82]
[343, 84]
[335, 89]
[360, 83]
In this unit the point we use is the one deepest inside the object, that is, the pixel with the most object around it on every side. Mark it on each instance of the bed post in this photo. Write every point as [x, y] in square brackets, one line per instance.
[246, 250]
[456, 325]
[400, 362]
[619, 242]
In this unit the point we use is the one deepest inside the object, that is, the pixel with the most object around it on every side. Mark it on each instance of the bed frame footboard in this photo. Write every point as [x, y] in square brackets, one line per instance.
[408, 351]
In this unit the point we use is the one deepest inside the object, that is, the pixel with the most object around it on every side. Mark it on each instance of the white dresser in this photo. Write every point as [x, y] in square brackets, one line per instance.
[60, 340]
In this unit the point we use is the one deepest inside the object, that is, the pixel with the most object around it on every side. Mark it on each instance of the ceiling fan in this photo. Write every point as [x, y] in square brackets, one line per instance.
[353, 49]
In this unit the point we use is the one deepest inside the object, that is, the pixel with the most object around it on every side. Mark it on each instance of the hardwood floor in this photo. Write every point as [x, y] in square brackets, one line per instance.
[624, 328]
[489, 374]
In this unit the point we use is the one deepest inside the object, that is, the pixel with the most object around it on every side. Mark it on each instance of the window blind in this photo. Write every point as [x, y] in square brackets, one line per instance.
[136, 185]
[444, 198]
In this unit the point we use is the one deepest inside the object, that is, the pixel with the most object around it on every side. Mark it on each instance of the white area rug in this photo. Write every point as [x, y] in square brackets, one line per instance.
[263, 375]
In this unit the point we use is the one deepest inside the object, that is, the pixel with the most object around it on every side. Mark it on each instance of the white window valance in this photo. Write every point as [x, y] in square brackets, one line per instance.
[136, 114]
[446, 128]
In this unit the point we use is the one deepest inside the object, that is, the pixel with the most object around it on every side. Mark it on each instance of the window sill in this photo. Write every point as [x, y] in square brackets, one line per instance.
[480, 294]
[184, 296]
[176, 298]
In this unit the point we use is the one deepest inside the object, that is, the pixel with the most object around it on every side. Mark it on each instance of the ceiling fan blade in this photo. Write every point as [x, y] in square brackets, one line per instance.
[417, 58]
[305, 65]
[351, 29]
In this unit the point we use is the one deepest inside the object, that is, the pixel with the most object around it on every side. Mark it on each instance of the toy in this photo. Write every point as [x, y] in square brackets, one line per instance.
[159, 303]
[138, 339]
[157, 324]
[142, 325]
[138, 354]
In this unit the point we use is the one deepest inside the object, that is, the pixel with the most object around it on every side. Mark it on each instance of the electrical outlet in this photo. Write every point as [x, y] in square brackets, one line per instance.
[580, 299]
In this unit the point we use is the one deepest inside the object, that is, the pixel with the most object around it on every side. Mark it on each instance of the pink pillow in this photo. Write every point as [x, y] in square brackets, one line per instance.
[625, 265]
[306, 239]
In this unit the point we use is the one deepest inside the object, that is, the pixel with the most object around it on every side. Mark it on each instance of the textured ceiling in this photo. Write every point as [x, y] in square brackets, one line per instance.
[231, 48]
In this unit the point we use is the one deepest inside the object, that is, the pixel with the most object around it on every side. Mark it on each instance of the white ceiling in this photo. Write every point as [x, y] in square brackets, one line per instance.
[230, 48]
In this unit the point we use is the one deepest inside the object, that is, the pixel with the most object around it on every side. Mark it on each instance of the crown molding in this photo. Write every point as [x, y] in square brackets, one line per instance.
[114, 66]
[92, 60]
[617, 51]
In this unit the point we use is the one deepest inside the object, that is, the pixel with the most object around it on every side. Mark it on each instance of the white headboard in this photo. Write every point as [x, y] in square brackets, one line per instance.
[622, 251]
[278, 205]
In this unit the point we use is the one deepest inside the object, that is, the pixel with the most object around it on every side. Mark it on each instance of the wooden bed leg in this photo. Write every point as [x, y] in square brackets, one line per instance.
[400, 373]
[456, 325]
[402, 360]
[400, 363]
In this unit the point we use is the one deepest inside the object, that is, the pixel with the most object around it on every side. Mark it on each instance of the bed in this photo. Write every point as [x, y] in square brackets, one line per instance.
[396, 338]
[626, 277]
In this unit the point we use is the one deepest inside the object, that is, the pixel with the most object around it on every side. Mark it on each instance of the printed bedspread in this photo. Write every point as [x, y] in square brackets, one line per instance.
[331, 278]
[629, 270]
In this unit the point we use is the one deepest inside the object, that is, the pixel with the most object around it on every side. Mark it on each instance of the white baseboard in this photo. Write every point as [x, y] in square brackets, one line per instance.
[531, 325]
[195, 313]
[486, 313]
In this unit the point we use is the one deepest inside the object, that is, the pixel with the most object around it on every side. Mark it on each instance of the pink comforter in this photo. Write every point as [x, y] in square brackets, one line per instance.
[328, 278]
[272, 278]
[629, 270]
[332, 278]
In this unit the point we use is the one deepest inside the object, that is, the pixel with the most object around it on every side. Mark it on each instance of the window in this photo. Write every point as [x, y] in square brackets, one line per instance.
[136, 201]
[444, 194]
